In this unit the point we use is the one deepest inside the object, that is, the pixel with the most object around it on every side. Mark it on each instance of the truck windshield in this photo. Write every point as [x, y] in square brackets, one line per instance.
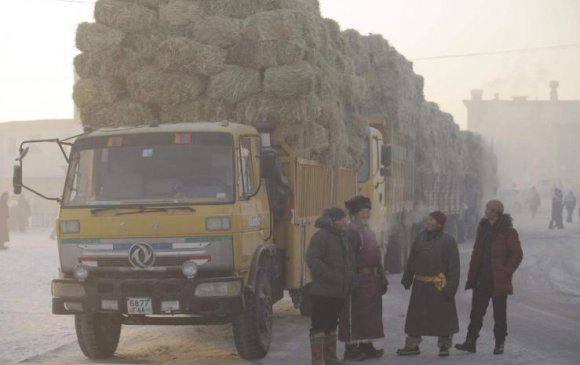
[151, 169]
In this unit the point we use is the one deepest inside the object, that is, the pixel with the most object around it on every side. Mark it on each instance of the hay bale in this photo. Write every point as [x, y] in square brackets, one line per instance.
[232, 8]
[150, 4]
[202, 109]
[289, 81]
[179, 12]
[265, 109]
[121, 113]
[93, 37]
[273, 25]
[216, 31]
[112, 62]
[147, 44]
[150, 85]
[125, 16]
[234, 84]
[188, 56]
[89, 92]
[263, 54]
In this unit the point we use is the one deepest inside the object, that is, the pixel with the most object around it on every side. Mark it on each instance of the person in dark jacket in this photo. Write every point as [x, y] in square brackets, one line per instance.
[361, 319]
[557, 220]
[497, 253]
[433, 271]
[331, 269]
[4, 215]
[570, 204]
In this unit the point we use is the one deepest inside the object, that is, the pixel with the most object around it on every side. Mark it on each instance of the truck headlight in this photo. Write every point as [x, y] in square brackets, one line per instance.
[217, 223]
[81, 272]
[219, 289]
[67, 290]
[70, 226]
[189, 269]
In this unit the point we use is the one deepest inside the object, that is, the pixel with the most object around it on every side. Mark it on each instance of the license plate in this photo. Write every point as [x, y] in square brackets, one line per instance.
[139, 306]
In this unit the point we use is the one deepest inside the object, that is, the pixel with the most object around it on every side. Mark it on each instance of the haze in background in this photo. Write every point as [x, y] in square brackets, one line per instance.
[37, 48]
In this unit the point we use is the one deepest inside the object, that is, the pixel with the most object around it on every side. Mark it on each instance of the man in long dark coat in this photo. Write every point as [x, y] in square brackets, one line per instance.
[497, 253]
[361, 320]
[557, 220]
[433, 271]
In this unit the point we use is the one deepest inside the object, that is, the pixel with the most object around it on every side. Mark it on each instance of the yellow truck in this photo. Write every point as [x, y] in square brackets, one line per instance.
[190, 223]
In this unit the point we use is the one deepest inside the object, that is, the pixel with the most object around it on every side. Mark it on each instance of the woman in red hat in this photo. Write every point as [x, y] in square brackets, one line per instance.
[433, 272]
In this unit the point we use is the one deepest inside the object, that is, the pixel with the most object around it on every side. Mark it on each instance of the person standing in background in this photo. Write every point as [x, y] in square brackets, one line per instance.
[570, 204]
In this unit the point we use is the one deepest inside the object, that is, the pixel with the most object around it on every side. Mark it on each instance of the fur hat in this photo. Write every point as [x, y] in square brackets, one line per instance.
[439, 216]
[335, 214]
[357, 204]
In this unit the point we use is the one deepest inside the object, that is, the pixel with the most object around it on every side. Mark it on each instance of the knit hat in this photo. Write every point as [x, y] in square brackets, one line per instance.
[335, 214]
[439, 216]
[357, 204]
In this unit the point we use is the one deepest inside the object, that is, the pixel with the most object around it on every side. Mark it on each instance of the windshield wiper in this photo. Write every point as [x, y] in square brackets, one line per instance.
[144, 209]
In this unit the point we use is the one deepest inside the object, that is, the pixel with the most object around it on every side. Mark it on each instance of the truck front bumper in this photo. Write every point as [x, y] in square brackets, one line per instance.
[213, 300]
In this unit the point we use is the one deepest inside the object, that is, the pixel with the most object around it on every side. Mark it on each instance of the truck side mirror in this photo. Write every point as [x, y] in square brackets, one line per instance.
[17, 179]
[386, 155]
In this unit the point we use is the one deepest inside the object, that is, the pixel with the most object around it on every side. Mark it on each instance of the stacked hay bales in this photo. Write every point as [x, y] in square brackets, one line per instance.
[267, 63]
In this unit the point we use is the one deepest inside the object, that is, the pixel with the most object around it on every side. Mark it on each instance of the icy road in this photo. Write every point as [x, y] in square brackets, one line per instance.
[543, 315]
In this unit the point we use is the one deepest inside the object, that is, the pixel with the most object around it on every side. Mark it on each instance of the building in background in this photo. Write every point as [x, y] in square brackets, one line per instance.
[536, 141]
[44, 166]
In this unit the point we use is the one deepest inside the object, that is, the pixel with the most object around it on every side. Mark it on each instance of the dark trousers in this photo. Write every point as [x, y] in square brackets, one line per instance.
[325, 312]
[479, 303]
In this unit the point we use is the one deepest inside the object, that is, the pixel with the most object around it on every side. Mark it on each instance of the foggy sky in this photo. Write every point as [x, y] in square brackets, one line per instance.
[37, 48]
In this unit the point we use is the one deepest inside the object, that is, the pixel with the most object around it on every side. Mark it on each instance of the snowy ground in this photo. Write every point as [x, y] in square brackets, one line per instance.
[543, 315]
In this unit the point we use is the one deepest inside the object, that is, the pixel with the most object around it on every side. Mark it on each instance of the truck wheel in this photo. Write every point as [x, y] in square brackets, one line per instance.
[253, 328]
[306, 302]
[98, 334]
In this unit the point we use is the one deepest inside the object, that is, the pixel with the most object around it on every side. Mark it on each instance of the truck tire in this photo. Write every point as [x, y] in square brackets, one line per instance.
[253, 327]
[306, 302]
[98, 334]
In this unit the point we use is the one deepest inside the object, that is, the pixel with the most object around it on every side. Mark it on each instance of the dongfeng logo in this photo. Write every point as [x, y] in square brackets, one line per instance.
[141, 255]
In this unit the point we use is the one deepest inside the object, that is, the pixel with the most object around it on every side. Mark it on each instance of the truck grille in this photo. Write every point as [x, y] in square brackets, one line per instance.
[165, 261]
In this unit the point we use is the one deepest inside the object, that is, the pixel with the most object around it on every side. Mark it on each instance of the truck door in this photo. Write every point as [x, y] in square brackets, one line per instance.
[254, 219]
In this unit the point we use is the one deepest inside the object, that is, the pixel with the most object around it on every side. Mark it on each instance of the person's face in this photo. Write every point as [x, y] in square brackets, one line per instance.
[432, 224]
[340, 224]
[363, 215]
[490, 213]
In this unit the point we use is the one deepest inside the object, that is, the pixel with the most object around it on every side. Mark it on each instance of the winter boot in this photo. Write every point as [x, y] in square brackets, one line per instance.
[408, 350]
[468, 345]
[330, 357]
[499, 347]
[317, 347]
[370, 351]
[353, 352]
